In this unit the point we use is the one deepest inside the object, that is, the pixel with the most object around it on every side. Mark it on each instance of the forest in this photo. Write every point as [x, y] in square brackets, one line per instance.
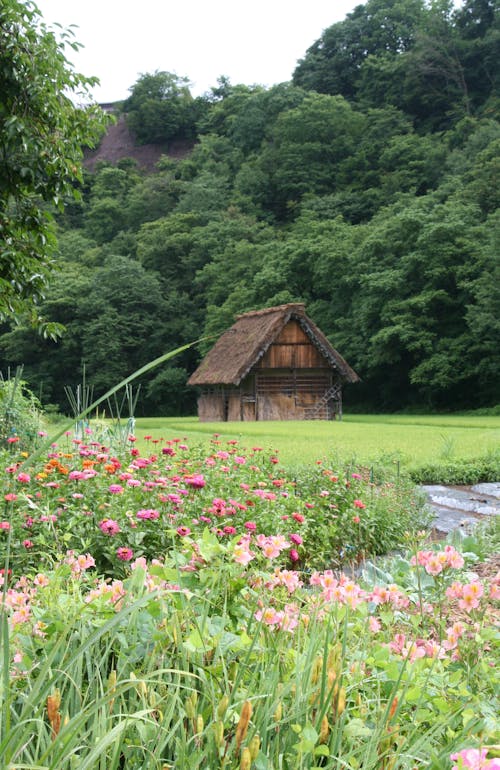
[365, 187]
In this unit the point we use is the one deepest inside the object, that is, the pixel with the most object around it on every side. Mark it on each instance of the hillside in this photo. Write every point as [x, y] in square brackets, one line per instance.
[119, 143]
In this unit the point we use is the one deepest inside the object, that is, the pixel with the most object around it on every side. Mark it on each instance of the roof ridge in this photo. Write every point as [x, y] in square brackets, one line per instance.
[299, 306]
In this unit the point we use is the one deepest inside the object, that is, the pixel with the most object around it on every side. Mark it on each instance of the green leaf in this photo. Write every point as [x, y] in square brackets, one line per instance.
[356, 728]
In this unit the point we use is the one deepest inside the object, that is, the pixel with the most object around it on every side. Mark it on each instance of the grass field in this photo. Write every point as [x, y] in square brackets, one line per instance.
[409, 440]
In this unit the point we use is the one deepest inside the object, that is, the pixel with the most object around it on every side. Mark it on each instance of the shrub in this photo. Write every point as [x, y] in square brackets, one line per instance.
[20, 414]
[464, 471]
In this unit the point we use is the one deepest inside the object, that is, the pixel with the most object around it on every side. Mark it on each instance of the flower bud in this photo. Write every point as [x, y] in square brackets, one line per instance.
[246, 760]
[218, 728]
[254, 746]
[199, 725]
[222, 707]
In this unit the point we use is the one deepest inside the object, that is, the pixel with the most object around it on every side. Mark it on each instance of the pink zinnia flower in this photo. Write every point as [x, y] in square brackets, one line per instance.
[197, 481]
[148, 513]
[109, 526]
[125, 554]
[183, 531]
[229, 530]
[358, 504]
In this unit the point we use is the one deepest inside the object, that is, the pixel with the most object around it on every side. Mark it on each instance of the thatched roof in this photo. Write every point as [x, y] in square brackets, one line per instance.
[243, 345]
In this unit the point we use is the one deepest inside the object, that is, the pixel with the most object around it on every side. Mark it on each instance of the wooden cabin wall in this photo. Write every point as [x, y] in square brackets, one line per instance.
[292, 349]
[233, 406]
[211, 407]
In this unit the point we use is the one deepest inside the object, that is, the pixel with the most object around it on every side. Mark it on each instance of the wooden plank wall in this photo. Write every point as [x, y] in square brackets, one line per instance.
[292, 349]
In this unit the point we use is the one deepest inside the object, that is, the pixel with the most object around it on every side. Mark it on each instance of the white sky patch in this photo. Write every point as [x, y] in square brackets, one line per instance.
[251, 43]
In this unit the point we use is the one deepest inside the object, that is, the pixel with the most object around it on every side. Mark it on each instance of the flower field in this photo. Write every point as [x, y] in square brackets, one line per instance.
[183, 608]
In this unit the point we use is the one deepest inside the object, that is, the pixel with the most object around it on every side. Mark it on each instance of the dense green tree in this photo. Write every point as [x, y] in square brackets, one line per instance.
[51, 365]
[160, 108]
[42, 135]
[153, 197]
[310, 145]
[435, 62]
[333, 63]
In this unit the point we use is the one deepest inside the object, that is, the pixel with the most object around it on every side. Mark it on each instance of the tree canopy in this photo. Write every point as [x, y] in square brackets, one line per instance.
[42, 135]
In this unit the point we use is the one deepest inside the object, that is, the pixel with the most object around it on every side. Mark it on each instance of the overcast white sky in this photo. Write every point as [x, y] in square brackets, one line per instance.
[254, 42]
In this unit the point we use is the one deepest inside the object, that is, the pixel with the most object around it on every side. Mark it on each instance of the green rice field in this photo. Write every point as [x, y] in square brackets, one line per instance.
[405, 439]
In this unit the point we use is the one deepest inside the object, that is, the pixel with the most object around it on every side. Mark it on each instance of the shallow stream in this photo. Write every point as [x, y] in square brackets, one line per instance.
[462, 507]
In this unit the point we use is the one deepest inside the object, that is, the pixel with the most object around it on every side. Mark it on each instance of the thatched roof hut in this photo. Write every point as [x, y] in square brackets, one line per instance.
[272, 364]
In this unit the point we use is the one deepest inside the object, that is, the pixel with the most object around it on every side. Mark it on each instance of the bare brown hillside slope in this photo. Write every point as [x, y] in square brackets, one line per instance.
[118, 143]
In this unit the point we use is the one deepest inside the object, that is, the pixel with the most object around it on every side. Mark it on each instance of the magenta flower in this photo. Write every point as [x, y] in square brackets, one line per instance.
[24, 478]
[76, 475]
[229, 530]
[125, 554]
[109, 526]
[183, 531]
[148, 513]
[196, 481]
[115, 489]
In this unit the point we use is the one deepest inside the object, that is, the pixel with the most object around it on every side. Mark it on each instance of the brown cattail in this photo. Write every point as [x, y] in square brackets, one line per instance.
[393, 708]
[324, 730]
[242, 726]
[338, 701]
[53, 704]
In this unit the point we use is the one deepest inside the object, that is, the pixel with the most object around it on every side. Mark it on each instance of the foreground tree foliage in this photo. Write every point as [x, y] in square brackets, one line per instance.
[42, 135]
[365, 188]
